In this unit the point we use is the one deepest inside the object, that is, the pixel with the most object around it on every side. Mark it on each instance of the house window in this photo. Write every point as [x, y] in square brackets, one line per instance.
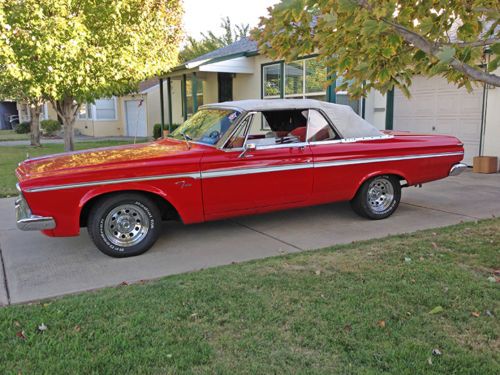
[316, 77]
[305, 79]
[271, 75]
[190, 110]
[105, 109]
[102, 109]
[85, 112]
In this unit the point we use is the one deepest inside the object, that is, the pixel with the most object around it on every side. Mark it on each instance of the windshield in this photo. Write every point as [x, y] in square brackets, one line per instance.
[206, 126]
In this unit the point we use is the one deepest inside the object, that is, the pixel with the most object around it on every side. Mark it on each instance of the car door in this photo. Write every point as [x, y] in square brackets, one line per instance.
[269, 176]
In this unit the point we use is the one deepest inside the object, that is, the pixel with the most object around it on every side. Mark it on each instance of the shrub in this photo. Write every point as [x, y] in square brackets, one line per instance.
[49, 127]
[157, 129]
[23, 128]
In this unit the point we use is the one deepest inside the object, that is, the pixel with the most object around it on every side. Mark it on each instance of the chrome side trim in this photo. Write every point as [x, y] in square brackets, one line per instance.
[244, 171]
[457, 169]
[110, 182]
[377, 160]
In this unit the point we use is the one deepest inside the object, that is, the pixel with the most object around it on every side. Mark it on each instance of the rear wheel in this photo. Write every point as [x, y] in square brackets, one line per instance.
[124, 225]
[378, 197]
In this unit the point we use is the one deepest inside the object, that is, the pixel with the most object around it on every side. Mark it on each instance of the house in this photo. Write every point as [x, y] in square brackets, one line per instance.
[238, 72]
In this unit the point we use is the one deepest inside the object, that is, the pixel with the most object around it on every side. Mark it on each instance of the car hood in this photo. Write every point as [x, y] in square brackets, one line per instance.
[100, 159]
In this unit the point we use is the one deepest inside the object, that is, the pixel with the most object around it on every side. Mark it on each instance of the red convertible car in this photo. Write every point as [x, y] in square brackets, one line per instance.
[229, 159]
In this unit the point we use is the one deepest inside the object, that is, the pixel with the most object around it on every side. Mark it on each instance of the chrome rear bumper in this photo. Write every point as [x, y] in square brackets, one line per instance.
[457, 169]
[27, 221]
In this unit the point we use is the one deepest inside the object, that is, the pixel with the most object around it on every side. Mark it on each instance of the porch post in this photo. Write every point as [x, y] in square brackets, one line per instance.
[331, 95]
[389, 110]
[194, 92]
[162, 107]
[169, 98]
[184, 97]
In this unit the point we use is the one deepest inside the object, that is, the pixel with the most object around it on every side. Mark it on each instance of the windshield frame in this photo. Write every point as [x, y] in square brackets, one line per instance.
[223, 139]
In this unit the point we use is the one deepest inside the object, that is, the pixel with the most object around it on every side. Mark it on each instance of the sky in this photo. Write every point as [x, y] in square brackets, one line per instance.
[203, 15]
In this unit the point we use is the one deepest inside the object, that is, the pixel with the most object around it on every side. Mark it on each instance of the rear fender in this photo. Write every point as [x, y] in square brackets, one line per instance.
[380, 172]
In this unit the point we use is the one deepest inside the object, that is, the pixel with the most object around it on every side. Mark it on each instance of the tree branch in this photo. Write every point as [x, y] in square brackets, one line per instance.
[476, 43]
[433, 49]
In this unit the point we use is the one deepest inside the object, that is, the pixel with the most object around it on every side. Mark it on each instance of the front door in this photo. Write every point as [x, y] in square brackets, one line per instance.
[225, 81]
[267, 177]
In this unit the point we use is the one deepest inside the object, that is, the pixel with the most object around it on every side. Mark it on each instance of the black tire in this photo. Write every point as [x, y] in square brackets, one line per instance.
[378, 197]
[109, 224]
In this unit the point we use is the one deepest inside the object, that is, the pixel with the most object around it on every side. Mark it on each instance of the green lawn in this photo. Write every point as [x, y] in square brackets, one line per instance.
[10, 156]
[11, 135]
[363, 308]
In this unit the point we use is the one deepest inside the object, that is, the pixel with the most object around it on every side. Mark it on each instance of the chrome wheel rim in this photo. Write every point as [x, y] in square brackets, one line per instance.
[126, 225]
[380, 194]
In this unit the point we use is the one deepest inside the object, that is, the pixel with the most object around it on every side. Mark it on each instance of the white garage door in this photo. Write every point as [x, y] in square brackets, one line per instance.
[135, 113]
[437, 107]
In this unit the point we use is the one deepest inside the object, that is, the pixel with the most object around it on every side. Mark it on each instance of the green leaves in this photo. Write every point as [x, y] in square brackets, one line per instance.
[386, 43]
[446, 54]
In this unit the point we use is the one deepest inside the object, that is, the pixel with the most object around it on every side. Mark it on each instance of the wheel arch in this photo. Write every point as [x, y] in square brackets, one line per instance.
[391, 172]
[167, 208]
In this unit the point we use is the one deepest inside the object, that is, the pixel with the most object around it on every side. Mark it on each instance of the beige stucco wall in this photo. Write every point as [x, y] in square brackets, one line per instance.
[491, 139]
[375, 109]
[99, 128]
[210, 88]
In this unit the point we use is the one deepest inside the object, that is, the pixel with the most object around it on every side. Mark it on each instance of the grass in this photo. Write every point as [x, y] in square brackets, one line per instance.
[11, 135]
[362, 308]
[10, 156]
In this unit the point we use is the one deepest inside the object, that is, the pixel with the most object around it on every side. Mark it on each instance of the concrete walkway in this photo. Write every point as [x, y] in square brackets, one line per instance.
[79, 138]
[36, 267]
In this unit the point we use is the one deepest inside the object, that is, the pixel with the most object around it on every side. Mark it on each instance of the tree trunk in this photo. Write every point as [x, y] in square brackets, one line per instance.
[35, 110]
[67, 109]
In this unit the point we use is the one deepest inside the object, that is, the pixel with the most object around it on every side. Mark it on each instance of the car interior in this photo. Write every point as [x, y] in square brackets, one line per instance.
[269, 128]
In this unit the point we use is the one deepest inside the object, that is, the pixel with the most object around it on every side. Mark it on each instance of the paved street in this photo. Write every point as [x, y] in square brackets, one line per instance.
[38, 267]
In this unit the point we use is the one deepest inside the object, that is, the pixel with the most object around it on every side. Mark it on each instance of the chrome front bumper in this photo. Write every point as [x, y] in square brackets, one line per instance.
[27, 221]
[457, 169]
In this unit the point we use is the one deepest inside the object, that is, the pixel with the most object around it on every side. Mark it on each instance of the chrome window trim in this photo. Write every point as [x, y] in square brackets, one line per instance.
[352, 140]
[244, 115]
[244, 171]
[283, 145]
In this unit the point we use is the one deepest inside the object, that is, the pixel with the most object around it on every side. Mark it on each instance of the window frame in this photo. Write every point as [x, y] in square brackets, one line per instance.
[252, 114]
[115, 107]
[332, 127]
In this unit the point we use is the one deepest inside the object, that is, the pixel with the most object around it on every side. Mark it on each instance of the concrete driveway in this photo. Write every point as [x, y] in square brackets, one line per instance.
[36, 267]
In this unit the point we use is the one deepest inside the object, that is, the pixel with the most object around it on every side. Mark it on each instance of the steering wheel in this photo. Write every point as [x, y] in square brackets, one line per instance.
[214, 134]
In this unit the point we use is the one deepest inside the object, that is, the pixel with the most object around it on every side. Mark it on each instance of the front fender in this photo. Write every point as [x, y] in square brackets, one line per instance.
[181, 197]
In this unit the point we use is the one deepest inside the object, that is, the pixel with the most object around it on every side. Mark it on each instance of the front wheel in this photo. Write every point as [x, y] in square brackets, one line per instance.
[377, 198]
[124, 225]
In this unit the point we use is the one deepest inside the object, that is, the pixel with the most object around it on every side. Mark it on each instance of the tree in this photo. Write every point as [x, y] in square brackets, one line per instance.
[74, 52]
[210, 42]
[16, 83]
[382, 44]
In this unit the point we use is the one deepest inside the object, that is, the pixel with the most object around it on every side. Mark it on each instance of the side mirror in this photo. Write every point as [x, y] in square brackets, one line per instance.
[248, 147]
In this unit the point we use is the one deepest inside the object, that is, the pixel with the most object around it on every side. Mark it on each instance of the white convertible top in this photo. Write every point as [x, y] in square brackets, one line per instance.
[348, 123]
